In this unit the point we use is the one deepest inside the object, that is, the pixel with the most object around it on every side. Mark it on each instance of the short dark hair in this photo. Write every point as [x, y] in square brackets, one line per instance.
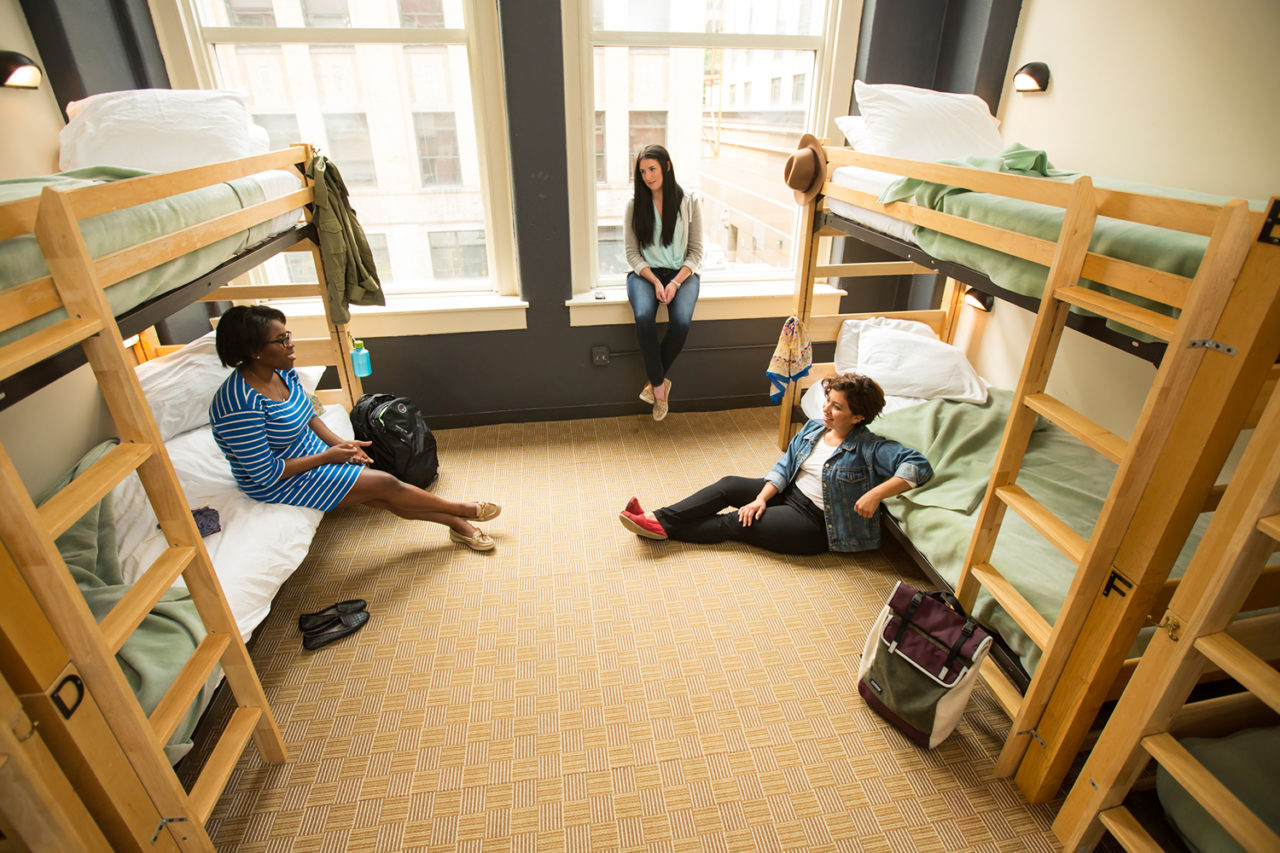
[863, 395]
[242, 331]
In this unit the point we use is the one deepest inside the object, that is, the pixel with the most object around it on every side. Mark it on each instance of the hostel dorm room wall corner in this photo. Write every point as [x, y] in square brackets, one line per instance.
[110, 749]
[1157, 494]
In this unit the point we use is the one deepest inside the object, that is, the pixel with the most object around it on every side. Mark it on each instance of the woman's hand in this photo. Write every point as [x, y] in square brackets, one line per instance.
[660, 291]
[670, 291]
[867, 505]
[347, 452]
[751, 512]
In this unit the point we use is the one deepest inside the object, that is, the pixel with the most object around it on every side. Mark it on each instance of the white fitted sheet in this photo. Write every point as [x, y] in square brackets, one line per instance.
[868, 181]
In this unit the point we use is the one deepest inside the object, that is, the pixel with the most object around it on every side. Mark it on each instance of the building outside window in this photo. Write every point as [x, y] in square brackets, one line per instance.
[695, 96]
[384, 88]
[601, 162]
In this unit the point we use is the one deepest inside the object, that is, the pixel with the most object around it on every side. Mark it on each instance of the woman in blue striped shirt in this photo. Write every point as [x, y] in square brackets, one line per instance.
[281, 452]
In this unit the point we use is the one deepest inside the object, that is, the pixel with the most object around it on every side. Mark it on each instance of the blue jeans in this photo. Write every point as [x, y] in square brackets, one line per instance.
[644, 303]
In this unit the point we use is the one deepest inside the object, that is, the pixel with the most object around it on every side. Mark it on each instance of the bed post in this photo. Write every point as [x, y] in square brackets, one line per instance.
[801, 306]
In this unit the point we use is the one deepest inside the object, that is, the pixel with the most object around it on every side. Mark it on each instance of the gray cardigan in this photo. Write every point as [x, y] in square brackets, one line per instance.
[691, 211]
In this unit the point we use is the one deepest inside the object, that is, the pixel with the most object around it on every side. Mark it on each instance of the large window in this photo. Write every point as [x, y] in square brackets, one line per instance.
[728, 87]
[405, 97]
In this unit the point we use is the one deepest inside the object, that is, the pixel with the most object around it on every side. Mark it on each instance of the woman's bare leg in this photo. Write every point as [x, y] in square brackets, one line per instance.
[384, 491]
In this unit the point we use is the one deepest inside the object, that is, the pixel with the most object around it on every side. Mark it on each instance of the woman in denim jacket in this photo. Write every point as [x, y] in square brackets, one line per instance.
[823, 493]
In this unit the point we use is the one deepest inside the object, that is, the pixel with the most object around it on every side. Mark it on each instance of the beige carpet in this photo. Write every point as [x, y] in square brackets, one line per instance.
[582, 689]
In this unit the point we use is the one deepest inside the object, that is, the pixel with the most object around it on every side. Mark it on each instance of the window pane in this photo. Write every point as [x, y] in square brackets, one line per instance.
[720, 145]
[282, 129]
[250, 13]
[325, 13]
[600, 147]
[425, 14]
[650, 69]
[764, 17]
[381, 256]
[398, 121]
[349, 148]
[301, 267]
[458, 254]
[611, 251]
[437, 138]
[797, 89]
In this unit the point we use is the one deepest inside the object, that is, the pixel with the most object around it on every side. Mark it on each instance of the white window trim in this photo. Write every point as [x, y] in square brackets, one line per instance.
[831, 94]
[187, 49]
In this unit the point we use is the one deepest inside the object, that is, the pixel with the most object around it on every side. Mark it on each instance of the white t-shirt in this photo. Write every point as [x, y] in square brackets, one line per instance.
[809, 478]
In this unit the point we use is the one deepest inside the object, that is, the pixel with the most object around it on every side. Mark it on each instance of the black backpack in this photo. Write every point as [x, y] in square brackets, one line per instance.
[402, 444]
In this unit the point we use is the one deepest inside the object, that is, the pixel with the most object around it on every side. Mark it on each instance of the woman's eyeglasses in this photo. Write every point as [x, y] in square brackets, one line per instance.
[284, 340]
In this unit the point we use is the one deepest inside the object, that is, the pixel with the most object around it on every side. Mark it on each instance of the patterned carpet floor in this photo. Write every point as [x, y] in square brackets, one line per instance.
[582, 689]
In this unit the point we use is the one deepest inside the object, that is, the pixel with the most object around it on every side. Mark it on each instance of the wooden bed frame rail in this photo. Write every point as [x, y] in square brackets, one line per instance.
[1221, 353]
[60, 660]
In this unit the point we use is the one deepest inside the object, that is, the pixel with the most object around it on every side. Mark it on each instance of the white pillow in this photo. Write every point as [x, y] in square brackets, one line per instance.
[921, 124]
[157, 129]
[180, 386]
[854, 129]
[908, 365]
[846, 356]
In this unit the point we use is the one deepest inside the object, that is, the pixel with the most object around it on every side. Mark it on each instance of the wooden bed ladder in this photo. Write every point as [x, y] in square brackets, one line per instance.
[1219, 351]
[1194, 634]
[28, 534]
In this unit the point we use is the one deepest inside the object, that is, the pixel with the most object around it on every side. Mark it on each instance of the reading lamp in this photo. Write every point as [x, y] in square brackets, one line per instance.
[17, 71]
[1032, 77]
[977, 299]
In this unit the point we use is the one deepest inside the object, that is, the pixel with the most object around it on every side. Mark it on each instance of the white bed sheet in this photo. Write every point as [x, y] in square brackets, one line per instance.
[260, 545]
[868, 181]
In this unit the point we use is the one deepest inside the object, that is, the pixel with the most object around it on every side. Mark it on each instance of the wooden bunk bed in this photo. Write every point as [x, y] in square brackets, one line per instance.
[54, 655]
[1201, 629]
[1217, 342]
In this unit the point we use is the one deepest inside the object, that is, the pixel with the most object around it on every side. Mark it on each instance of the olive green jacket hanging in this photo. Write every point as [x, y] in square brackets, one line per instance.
[344, 252]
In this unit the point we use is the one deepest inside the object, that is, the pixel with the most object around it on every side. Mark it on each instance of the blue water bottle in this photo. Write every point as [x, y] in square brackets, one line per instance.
[360, 361]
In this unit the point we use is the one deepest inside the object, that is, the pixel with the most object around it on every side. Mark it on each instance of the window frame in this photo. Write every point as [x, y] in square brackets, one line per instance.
[188, 51]
[829, 95]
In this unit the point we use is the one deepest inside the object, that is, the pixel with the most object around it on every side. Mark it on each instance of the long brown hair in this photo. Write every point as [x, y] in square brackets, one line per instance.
[672, 197]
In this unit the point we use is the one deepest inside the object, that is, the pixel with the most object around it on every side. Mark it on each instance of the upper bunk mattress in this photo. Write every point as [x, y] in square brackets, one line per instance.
[21, 259]
[873, 182]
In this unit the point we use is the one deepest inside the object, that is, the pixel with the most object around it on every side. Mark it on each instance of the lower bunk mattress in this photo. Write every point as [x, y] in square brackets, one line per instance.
[961, 440]
[21, 260]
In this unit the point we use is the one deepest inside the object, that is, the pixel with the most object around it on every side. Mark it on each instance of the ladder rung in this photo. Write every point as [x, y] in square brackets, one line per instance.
[1214, 797]
[1027, 617]
[1048, 525]
[1005, 691]
[130, 610]
[222, 760]
[1270, 525]
[1159, 325]
[79, 496]
[1244, 666]
[1105, 442]
[38, 346]
[1124, 827]
[177, 700]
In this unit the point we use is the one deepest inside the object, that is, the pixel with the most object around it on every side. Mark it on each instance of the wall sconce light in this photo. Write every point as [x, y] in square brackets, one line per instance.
[1032, 77]
[977, 299]
[18, 71]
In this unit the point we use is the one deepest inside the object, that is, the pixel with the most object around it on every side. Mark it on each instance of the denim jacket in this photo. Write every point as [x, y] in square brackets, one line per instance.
[863, 460]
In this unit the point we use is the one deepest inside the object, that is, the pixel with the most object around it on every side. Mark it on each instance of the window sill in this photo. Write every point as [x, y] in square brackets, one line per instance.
[718, 301]
[404, 315]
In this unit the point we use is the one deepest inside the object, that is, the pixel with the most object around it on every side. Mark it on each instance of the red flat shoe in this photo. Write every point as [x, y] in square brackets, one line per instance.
[641, 526]
[633, 506]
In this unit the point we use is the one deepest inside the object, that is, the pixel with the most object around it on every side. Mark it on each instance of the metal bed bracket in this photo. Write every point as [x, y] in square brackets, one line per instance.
[1171, 625]
[1118, 584]
[1270, 224]
[1035, 735]
[1209, 343]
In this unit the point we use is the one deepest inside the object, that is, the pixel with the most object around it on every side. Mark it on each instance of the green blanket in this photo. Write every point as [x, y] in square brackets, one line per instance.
[961, 440]
[154, 655]
[21, 260]
[1160, 248]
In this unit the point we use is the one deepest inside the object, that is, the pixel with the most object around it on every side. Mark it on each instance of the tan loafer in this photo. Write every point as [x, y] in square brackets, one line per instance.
[661, 407]
[478, 541]
[647, 394]
[486, 511]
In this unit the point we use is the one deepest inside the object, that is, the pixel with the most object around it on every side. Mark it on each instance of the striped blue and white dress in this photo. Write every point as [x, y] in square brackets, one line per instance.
[257, 434]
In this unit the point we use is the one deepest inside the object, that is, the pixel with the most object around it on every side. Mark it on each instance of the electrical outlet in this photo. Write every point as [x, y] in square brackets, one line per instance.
[600, 356]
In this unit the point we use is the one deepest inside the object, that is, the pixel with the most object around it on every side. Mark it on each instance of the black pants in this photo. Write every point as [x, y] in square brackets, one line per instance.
[792, 524]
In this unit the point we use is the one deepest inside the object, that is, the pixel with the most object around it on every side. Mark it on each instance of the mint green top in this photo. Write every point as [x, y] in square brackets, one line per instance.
[667, 257]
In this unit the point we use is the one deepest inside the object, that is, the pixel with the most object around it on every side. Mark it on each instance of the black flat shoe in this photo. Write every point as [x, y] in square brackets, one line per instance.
[322, 618]
[347, 623]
